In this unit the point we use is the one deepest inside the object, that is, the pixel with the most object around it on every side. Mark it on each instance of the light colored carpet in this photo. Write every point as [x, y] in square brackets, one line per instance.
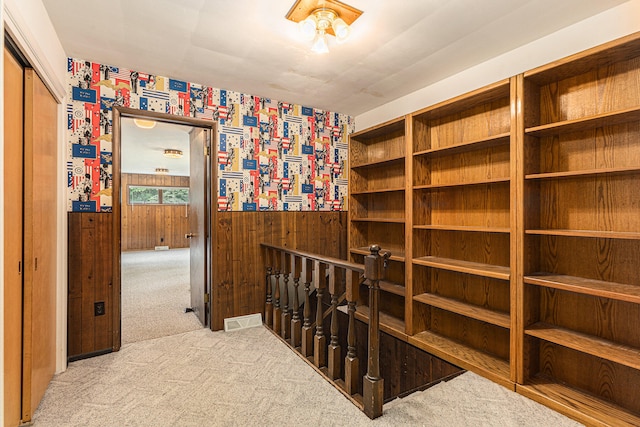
[155, 293]
[250, 378]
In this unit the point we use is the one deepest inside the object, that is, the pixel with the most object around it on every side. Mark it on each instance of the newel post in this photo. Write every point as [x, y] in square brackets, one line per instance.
[373, 385]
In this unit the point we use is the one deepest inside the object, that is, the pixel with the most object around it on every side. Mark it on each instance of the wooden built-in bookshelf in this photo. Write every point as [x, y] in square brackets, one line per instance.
[460, 265]
[377, 213]
[580, 223]
[513, 217]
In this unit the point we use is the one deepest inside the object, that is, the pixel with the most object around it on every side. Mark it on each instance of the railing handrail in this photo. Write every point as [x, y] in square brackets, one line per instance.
[316, 349]
[323, 259]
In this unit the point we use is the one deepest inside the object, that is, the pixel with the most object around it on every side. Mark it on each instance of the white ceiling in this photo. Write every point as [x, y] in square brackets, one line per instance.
[396, 47]
[142, 149]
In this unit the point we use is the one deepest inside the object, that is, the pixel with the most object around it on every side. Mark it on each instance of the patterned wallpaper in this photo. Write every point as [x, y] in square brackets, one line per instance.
[272, 155]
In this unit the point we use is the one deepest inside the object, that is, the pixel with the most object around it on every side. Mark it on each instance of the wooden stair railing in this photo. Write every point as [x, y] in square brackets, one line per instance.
[321, 348]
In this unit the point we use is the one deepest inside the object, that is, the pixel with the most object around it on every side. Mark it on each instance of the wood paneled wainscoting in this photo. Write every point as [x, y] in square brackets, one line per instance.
[145, 226]
[90, 270]
[238, 277]
[237, 273]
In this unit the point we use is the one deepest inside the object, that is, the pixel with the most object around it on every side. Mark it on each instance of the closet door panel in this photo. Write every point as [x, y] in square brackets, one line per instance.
[40, 194]
[13, 88]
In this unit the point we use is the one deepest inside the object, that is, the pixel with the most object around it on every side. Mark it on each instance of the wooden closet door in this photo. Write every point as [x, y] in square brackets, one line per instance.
[40, 189]
[13, 116]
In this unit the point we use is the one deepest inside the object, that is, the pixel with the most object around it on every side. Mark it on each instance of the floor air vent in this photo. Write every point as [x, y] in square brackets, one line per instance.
[242, 322]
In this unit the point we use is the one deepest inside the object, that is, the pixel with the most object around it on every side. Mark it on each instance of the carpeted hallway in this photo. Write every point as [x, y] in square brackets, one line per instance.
[250, 378]
[155, 293]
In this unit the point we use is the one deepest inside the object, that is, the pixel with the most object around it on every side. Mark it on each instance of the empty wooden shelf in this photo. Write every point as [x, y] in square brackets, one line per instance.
[377, 211]
[462, 229]
[513, 216]
[581, 233]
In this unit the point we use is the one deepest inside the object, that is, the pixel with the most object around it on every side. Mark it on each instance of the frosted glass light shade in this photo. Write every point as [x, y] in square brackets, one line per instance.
[320, 44]
[307, 28]
[341, 30]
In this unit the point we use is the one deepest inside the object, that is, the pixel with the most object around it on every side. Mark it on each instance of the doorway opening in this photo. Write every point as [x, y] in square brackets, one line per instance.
[155, 281]
[162, 184]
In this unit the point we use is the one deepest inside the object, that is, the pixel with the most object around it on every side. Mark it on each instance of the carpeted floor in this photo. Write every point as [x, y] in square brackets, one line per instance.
[250, 378]
[155, 293]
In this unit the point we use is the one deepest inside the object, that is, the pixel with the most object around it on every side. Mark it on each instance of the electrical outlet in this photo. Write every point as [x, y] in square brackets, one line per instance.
[98, 308]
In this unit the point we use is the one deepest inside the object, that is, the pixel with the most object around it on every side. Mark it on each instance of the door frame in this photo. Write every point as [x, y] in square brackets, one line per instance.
[210, 214]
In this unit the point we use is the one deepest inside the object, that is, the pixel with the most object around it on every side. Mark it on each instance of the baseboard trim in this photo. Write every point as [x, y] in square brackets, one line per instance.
[88, 355]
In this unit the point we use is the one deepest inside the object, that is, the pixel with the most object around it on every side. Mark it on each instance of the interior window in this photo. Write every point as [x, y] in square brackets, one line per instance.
[153, 195]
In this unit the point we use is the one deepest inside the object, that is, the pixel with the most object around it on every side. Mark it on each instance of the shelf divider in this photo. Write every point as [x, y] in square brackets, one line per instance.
[475, 312]
[595, 346]
[597, 288]
[390, 220]
[501, 138]
[469, 228]
[392, 288]
[584, 172]
[462, 184]
[586, 123]
[385, 190]
[378, 162]
[622, 235]
[475, 268]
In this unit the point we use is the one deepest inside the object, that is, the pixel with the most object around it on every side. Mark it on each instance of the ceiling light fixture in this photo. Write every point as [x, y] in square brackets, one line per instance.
[317, 18]
[172, 154]
[144, 124]
[162, 171]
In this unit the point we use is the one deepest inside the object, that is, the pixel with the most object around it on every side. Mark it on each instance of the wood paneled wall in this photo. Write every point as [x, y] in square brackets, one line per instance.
[147, 226]
[238, 276]
[90, 281]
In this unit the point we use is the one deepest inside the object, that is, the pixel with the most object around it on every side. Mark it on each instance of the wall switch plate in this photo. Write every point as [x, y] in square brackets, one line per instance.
[98, 308]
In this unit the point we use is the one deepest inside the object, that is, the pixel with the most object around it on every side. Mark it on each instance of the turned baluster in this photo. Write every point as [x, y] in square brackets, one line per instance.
[351, 361]
[296, 324]
[334, 345]
[285, 332]
[307, 330]
[268, 307]
[373, 385]
[277, 311]
[320, 340]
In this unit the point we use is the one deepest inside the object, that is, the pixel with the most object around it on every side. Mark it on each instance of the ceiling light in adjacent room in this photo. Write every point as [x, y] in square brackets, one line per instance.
[144, 124]
[316, 19]
[172, 154]
[162, 171]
